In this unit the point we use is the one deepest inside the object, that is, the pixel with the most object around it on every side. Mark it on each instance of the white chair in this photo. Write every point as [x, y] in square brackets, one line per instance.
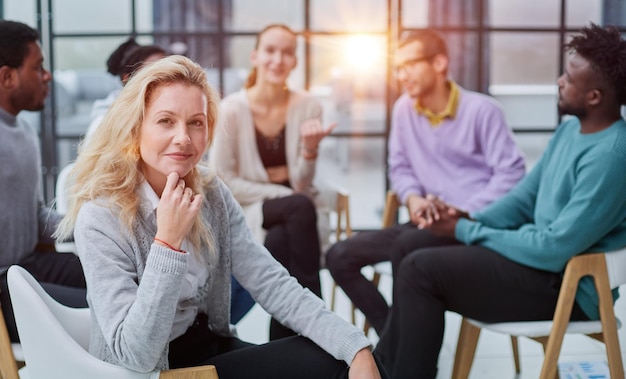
[55, 338]
[333, 210]
[61, 204]
[60, 190]
[390, 215]
[343, 230]
[608, 271]
[11, 355]
[383, 268]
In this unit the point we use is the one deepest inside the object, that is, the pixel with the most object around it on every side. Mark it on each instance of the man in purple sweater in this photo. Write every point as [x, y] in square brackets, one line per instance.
[445, 142]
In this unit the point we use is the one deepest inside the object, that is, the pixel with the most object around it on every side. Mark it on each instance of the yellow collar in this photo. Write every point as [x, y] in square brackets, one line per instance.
[449, 112]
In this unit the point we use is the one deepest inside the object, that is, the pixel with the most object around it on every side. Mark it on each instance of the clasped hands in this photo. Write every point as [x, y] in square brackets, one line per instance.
[434, 214]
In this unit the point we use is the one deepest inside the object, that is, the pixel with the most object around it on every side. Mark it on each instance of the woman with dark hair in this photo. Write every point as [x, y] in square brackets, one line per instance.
[123, 63]
[266, 151]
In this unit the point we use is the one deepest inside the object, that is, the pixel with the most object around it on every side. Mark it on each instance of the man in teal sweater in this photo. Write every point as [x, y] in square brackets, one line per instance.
[505, 263]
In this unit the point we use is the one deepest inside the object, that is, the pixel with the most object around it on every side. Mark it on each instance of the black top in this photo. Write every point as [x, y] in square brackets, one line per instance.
[272, 150]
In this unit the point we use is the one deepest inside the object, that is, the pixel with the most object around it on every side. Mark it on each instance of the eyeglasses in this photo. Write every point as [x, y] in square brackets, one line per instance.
[409, 64]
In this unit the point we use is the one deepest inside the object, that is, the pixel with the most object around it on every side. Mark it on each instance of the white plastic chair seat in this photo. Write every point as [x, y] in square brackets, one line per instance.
[23, 373]
[607, 271]
[17, 351]
[383, 268]
[55, 338]
[62, 205]
[534, 329]
[60, 190]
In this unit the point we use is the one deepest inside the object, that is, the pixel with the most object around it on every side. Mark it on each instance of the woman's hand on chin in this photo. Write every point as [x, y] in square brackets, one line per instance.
[177, 211]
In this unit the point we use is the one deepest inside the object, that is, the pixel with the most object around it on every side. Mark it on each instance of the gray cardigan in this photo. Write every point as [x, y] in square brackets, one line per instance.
[133, 285]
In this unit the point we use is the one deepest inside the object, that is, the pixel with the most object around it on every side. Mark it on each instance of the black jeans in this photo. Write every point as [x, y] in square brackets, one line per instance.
[345, 259]
[292, 357]
[60, 274]
[470, 280]
[292, 238]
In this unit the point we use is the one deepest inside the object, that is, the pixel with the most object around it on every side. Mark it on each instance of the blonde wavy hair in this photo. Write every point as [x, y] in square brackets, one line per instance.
[109, 164]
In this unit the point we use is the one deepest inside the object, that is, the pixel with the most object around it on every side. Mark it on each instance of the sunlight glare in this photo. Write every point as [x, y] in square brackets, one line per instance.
[363, 52]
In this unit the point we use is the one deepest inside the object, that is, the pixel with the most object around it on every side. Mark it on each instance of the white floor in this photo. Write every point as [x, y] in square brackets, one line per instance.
[493, 356]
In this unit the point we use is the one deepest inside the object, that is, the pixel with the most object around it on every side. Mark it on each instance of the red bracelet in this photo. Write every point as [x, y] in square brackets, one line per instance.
[168, 245]
[308, 154]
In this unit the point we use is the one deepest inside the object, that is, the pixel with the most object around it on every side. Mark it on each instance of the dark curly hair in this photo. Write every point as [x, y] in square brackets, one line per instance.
[14, 40]
[129, 56]
[605, 50]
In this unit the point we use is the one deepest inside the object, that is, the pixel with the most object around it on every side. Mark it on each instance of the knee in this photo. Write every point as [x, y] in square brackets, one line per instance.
[407, 242]
[338, 257]
[303, 208]
[400, 248]
[416, 270]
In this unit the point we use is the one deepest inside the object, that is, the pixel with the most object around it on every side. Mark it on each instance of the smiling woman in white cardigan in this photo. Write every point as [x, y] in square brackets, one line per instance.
[266, 150]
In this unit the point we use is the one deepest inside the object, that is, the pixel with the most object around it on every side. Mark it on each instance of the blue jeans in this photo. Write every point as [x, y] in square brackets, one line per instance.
[240, 301]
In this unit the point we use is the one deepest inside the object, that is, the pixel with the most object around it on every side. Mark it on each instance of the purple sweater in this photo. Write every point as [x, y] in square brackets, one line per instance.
[468, 161]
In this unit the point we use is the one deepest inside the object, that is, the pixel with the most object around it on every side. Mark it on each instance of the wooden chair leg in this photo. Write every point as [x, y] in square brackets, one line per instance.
[609, 323]
[515, 346]
[366, 327]
[546, 370]
[366, 324]
[8, 365]
[198, 372]
[616, 366]
[332, 305]
[465, 350]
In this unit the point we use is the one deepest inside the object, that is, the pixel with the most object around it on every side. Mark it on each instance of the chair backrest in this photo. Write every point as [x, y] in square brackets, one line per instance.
[333, 210]
[55, 337]
[390, 213]
[343, 226]
[616, 267]
[60, 190]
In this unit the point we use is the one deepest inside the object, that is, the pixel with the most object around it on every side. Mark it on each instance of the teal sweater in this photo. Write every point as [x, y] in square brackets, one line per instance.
[573, 201]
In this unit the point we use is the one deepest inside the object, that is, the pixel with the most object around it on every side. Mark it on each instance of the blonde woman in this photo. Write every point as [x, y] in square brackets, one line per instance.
[266, 149]
[159, 238]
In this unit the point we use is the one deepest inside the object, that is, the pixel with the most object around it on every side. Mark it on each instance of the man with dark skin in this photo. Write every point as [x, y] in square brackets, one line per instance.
[505, 263]
[26, 223]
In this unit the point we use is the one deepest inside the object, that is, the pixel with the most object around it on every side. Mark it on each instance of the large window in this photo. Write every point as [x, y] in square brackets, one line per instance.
[510, 49]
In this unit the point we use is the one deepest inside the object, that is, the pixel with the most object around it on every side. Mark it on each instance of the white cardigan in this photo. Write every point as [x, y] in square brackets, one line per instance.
[236, 159]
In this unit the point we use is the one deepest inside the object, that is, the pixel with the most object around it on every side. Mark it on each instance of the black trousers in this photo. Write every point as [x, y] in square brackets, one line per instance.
[292, 238]
[292, 357]
[471, 280]
[60, 274]
[345, 259]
